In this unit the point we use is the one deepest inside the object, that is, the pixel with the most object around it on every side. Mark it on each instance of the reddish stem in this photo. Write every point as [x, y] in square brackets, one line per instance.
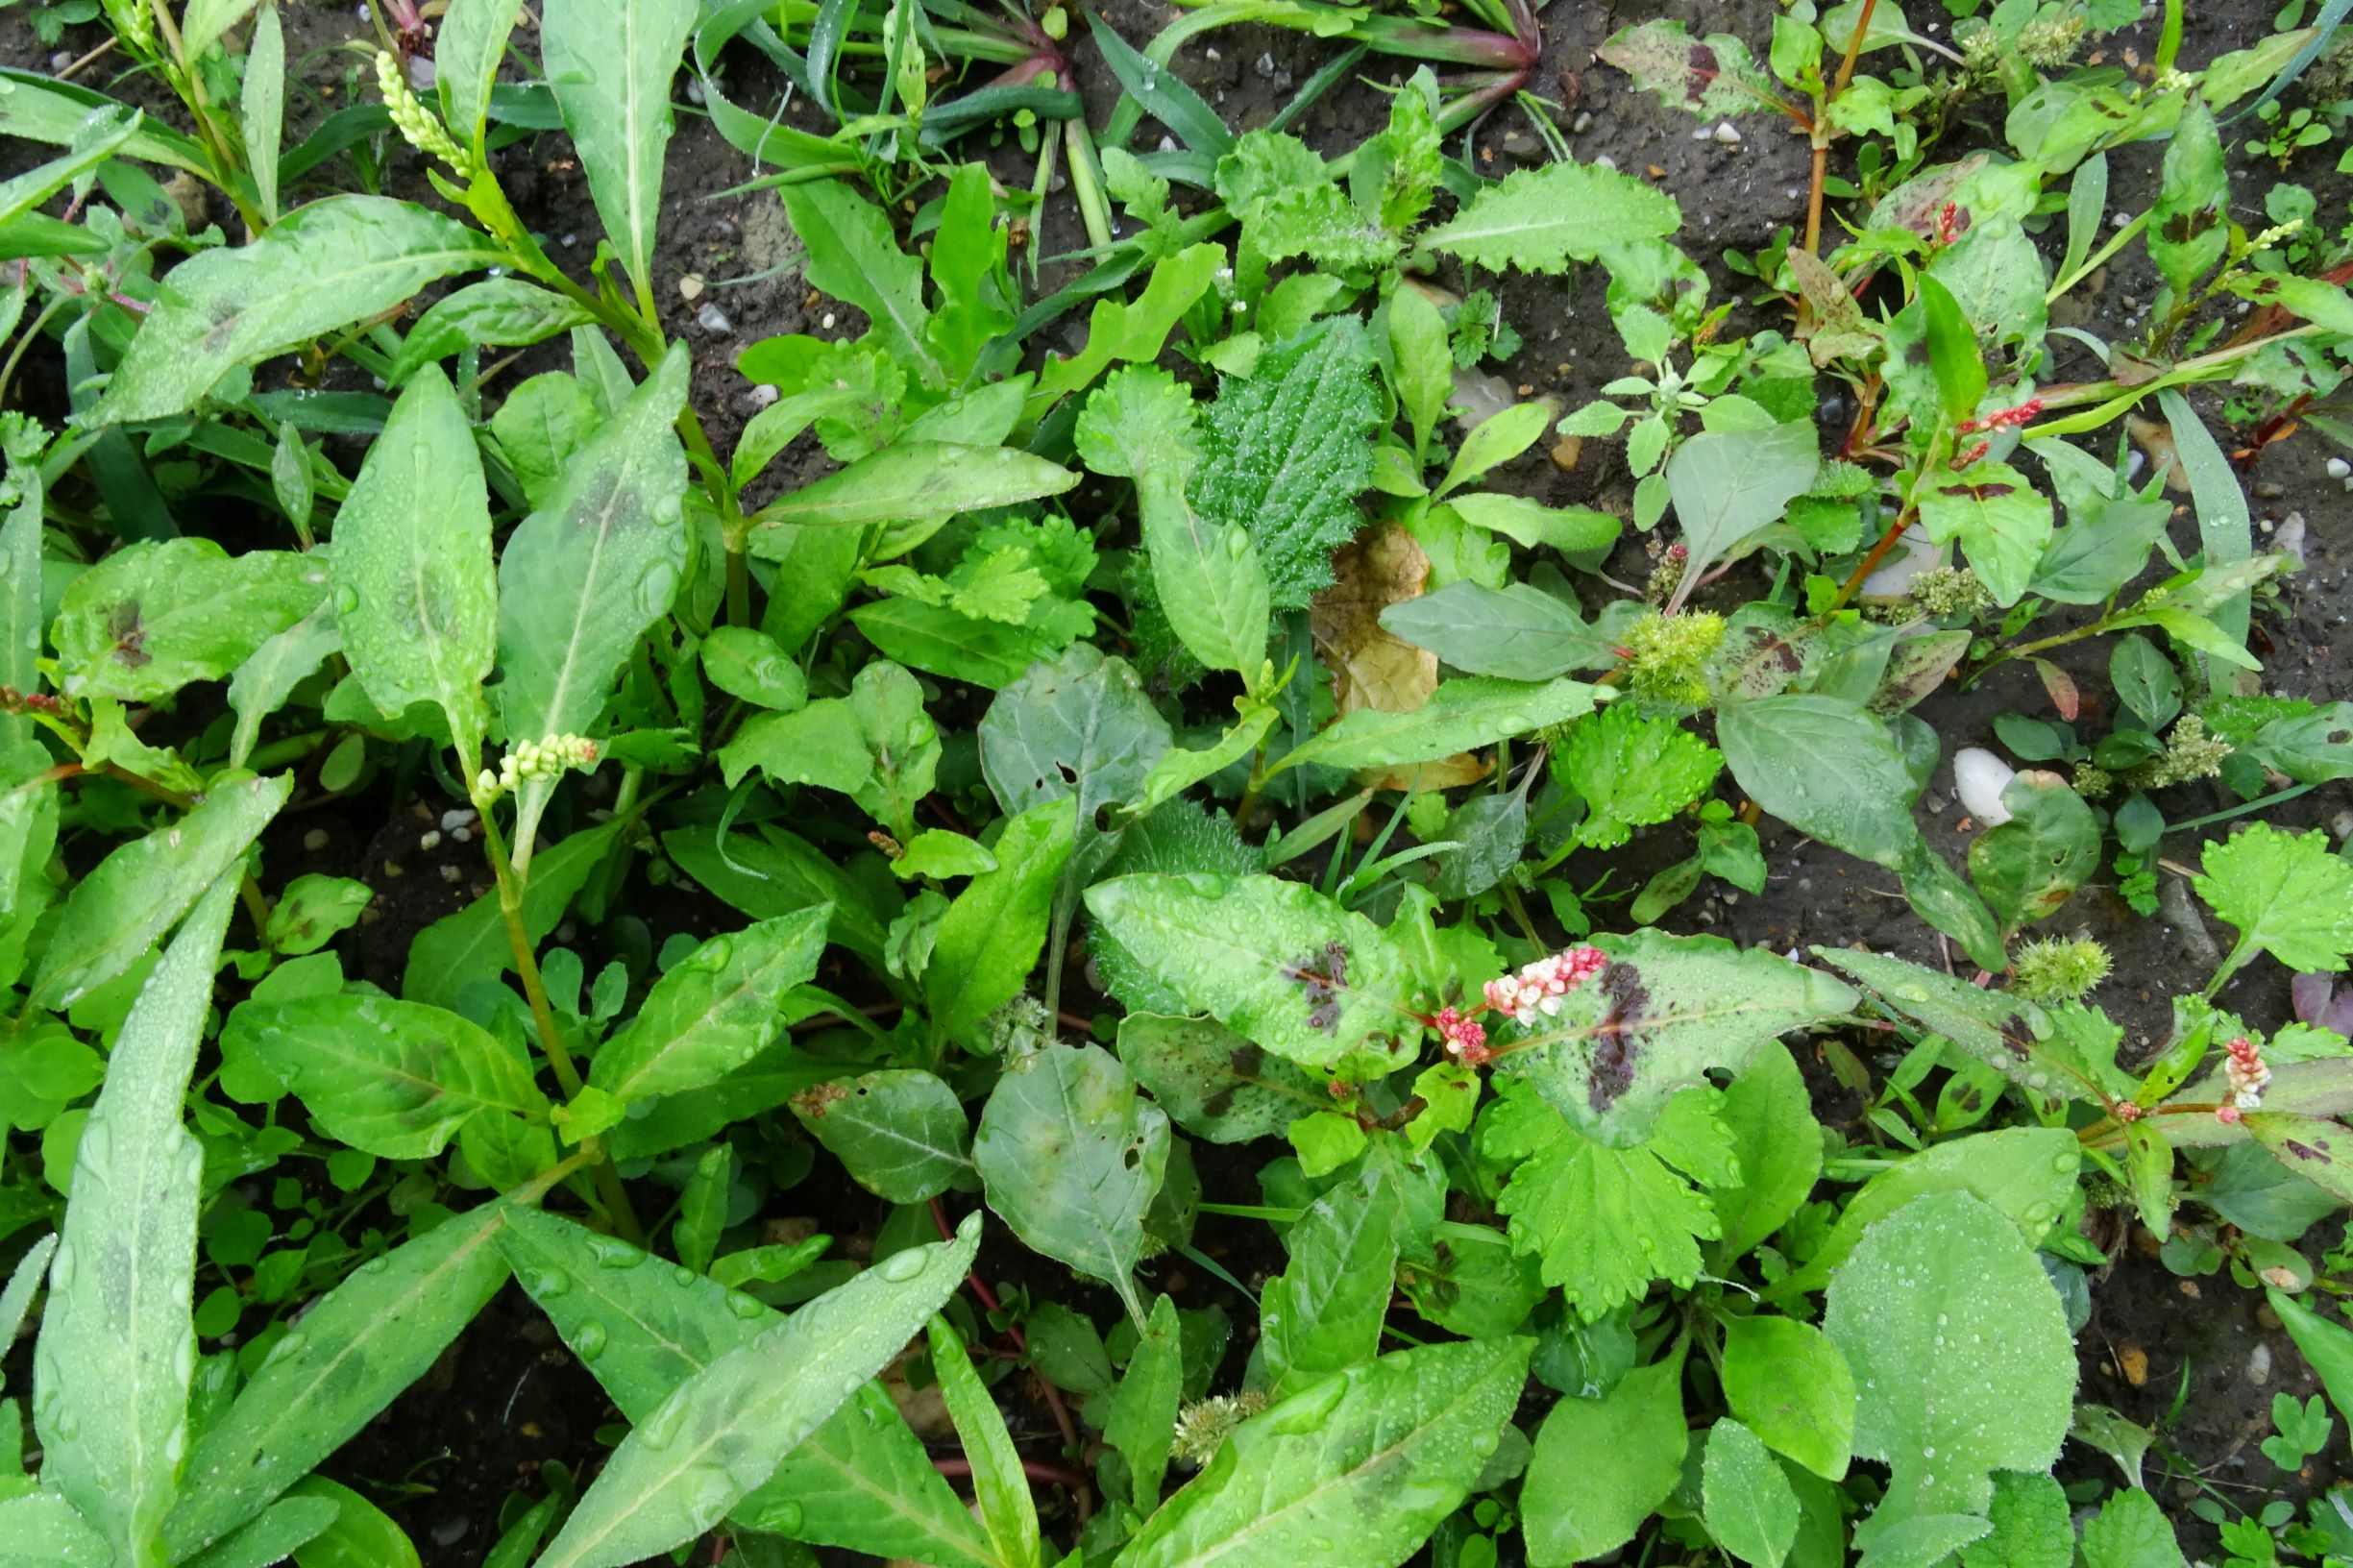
[1045, 1470]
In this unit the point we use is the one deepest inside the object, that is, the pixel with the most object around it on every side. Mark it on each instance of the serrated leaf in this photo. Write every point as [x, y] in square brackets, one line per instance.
[1961, 1355]
[722, 1431]
[1273, 960]
[2287, 894]
[333, 262]
[117, 1344]
[1539, 220]
[900, 1132]
[416, 596]
[1072, 1156]
[715, 1010]
[1632, 770]
[1663, 1013]
[2130, 1531]
[397, 1079]
[1351, 1472]
[2031, 1526]
[610, 64]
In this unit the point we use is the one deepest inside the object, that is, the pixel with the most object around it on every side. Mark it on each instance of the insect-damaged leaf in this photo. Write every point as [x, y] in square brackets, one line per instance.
[1709, 77]
[1214, 1083]
[1661, 1014]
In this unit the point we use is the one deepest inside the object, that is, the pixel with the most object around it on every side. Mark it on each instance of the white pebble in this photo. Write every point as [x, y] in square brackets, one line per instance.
[1605, 162]
[61, 60]
[457, 817]
[451, 874]
[420, 74]
[569, 241]
[1728, 133]
[2259, 1365]
[713, 320]
[461, 834]
[428, 841]
[1582, 123]
[764, 395]
[825, 321]
[1978, 779]
[2338, 468]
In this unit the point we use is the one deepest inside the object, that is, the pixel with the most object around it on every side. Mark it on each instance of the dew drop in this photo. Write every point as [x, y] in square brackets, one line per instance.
[745, 1307]
[588, 1342]
[902, 1266]
[347, 600]
[67, 1259]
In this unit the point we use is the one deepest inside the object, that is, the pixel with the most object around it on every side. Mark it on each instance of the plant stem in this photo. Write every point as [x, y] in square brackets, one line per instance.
[1822, 125]
[2257, 804]
[2099, 259]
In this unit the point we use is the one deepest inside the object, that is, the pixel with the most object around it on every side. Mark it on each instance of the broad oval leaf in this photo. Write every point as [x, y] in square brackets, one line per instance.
[1793, 1388]
[497, 312]
[152, 616]
[1576, 1509]
[118, 913]
[416, 594]
[1072, 1156]
[1215, 1084]
[1727, 484]
[117, 1344]
[715, 1011]
[1824, 767]
[1351, 1472]
[722, 1431]
[356, 1348]
[397, 1079]
[325, 266]
[900, 1132]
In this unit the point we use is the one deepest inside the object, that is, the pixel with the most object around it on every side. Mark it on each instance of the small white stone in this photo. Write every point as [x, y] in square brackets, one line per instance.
[1605, 162]
[430, 840]
[569, 241]
[690, 288]
[764, 395]
[1727, 134]
[2338, 468]
[457, 817]
[420, 74]
[825, 321]
[461, 834]
[1584, 122]
[1978, 779]
[451, 874]
[61, 60]
[2259, 1365]
[713, 320]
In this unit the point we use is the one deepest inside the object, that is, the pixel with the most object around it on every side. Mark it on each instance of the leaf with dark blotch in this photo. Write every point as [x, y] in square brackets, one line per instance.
[1708, 77]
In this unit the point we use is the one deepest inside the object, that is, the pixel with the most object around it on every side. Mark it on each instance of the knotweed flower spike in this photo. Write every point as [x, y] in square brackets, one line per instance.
[550, 758]
[2245, 1073]
[1535, 992]
[1466, 1039]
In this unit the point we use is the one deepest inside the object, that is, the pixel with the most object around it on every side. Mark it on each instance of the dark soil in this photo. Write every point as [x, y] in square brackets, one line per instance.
[507, 1397]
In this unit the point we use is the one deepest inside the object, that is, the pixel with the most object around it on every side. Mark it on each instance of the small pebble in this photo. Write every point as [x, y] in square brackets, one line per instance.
[61, 60]
[315, 840]
[762, 396]
[428, 841]
[2259, 1365]
[1566, 453]
[2338, 468]
[2342, 824]
[451, 1531]
[713, 320]
[569, 241]
[1605, 162]
[420, 73]
[457, 817]
[461, 834]
[451, 874]
[690, 288]
[1727, 134]
[2268, 491]
[826, 321]
[1584, 122]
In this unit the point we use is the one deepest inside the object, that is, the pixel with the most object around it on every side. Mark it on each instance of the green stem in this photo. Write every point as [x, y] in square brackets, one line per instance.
[1087, 183]
[2098, 259]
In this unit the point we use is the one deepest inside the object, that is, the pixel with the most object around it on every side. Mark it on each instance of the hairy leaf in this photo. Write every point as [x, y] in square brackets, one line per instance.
[1540, 220]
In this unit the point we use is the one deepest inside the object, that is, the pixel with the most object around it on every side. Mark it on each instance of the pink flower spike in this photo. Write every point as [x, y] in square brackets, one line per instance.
[2228, 1114]
[1465, 1040]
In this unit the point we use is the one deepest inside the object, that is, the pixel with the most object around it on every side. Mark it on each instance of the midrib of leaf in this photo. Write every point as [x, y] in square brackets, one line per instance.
[569, 664]
[934, 1150]
[1648, 1023]
[632, 93]
[1269, 1522]
[705, 1023]
[334, 1051]
[227, 325]
[873, 1491]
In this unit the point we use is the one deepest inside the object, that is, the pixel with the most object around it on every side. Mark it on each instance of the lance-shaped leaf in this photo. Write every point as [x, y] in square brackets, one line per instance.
[715, 1011]
[472, 943]
[910, 481]
[1275, 961]
[468, 45]
[42, 1530]
[900, 1134]
[397, 1079]
[1662, 1013]
[121, 909]
[1460, 715]
[1072, 1156]
[356, 1348]
[998, 1484]
[416, 596]
[333, 262]
[861, 1482]
[611, 63]
[2319, 1151]
[117, 1345]
[722, 1431]
[988, 940]
[1351, 1472]
[152, 616]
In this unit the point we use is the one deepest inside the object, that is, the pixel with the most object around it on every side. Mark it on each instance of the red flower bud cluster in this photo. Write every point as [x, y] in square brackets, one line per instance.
[2001, 419]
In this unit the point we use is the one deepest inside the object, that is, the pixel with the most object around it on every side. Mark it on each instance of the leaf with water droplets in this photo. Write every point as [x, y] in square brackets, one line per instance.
[998, 1484]
[901, 1133]
[1324, 1312]
[396, 1079]
[1215, 1084]
[118, 913]
[416, 596]
[356, 1348]
[298, 1523]
[715, 1011]
[1078, 727]
[1275, 961]
[1961, 1355]
[1072, 1156]
[1352, 1472]
[585, 575]
[2031, 1526]
[2130, 1531]
[990, 938]
[48, 1533]
[611, 63]
[1460, 715]
[1576, 1508]
[722, 1431]
[1748, 1504]
[117, 1345]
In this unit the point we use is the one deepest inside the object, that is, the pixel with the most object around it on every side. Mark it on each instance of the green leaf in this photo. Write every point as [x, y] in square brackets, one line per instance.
[1540, 220]
[1143, 1411]
[154, 617]
[777, 872]
[1286, 454]
[1352, 1472]
[1711, 77]
[1324, 1312]
[1272, 960]
[1076, 728]
[2313, 1147]
[1960, 1352]
[1954, 363]
[333, 262]
[1632, 770]
[1748, 1504]
[118, 913]
[42, 1530]
[261, 108]
[397, 1079]
[2327, 1346]
[990, 938]
[497, 312]
[2130, 1531]
[1793, 1388]
[117, 1344]
[2031, 1526]
[1569, 529]
[1422, 367]
[2003, 520]
[1130, 332]
[722, 1431]
[359, 1534]
[1213, 1082]
[1605, 1221]
[1573, 1507]
[878, 745]
[472, 944]
[468, 45]
[2189, 227]
[2028, 866]
[1727, 484]
[285, 1525]
[587, 575]
[2023, 1173]
[2287, 894]
[1072, 1156]
[910, 481]
[2144, 679]
[714, 1011]
[40, 108]
[900, 1132]
[609, 62]
[268, 676]
[853, 257]
[1664, 1013]
[1460, 715]
[1517, 632]
[999, 1484]
[1824, 767]
[745, 662]
[1778, 1144]
[416, 598]
[356, 1347]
